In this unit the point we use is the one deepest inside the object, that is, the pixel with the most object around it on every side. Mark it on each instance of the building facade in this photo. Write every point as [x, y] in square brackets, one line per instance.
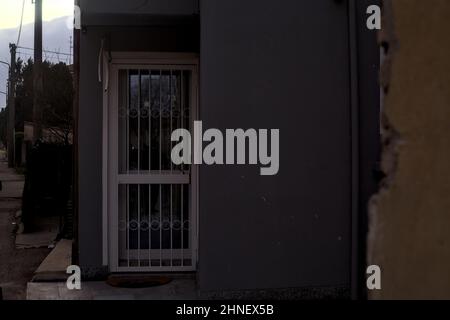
[307, 68]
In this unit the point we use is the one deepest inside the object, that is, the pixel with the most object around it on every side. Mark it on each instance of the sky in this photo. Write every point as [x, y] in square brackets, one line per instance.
[10, 11]
[58, 22]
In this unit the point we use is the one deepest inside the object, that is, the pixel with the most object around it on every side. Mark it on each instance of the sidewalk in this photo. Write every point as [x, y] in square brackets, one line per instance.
[16, 266]
[12, 182]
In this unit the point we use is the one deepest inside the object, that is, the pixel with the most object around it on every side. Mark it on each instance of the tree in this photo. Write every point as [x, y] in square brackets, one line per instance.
[57, 97]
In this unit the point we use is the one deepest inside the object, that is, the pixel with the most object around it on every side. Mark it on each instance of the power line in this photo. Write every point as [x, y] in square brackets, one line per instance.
[50, 58]
[24, 54]
[47, 51]
[21, 23]
[3, 93]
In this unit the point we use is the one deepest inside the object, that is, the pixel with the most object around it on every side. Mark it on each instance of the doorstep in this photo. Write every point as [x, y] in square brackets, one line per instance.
[177, 289]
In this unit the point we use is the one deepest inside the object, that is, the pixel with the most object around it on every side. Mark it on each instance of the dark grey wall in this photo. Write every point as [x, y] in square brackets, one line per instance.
[90, 155]
[181, 36]
[155, 7]
[284, 65]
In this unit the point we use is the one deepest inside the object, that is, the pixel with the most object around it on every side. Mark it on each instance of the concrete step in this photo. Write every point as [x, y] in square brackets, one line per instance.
[54, 266]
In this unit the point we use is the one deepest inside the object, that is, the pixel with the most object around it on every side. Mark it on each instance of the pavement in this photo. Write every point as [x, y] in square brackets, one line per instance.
[177, 289]
[12, 183]
[16, 266]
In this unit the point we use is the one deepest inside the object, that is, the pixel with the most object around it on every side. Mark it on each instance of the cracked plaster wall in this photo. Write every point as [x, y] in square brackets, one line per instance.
[409, 231]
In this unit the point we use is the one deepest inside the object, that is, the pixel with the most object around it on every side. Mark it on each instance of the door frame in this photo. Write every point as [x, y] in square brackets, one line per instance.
[364, 59]
[110, 64]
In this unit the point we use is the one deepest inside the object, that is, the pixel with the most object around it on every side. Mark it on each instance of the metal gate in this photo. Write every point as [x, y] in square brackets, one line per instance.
[152, 202]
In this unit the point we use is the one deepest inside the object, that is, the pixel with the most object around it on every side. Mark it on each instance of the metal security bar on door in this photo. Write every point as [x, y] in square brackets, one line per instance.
[155, 220]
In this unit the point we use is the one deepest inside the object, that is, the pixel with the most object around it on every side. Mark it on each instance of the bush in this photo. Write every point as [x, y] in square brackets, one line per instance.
[48, 182]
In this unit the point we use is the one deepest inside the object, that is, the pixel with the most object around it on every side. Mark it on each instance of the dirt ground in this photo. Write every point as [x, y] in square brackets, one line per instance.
[16, 266]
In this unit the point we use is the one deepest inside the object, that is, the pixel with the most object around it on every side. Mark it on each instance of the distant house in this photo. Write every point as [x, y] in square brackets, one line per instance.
[55, 135]
[49, 134]
[148, 67]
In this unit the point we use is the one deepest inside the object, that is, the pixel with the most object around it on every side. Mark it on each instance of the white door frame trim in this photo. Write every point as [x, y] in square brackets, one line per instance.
[161, 60]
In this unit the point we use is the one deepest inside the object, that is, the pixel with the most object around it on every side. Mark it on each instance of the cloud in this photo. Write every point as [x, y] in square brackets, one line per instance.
[56, 37]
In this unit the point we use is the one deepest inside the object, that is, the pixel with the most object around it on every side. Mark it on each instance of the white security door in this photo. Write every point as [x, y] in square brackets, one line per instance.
[152, 202]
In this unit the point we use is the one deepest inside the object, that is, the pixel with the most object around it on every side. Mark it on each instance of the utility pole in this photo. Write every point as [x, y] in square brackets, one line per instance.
[37, 72]
[12, 106]
[71, 50]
